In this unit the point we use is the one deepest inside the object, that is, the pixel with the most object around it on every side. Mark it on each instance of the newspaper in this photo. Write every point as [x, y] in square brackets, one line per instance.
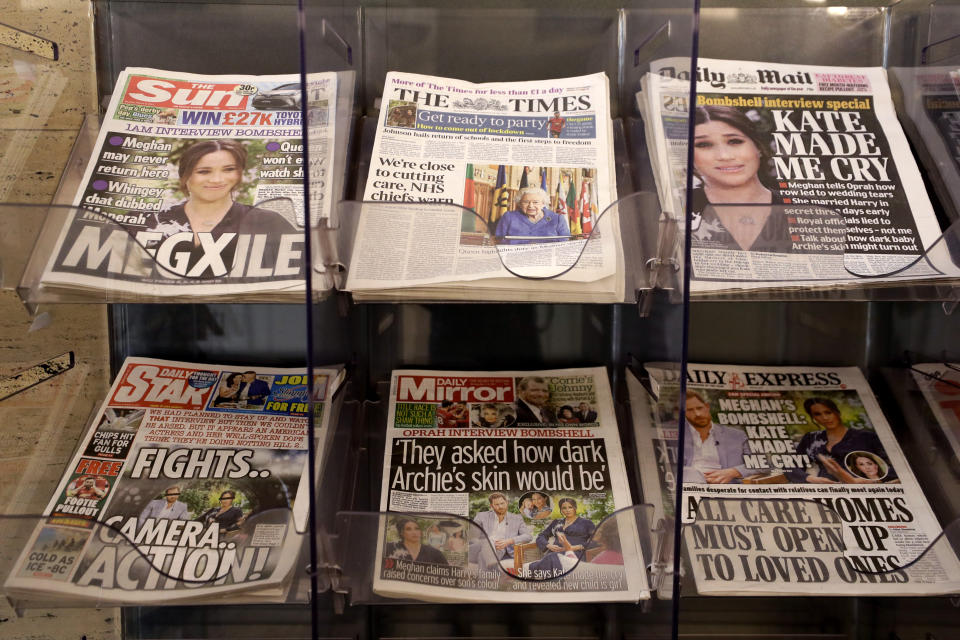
[191, 482]
[195, 186]
[507, 454]
[793, 484]
[940, 385]
[931, 103]
[803, 175]
[476, 148]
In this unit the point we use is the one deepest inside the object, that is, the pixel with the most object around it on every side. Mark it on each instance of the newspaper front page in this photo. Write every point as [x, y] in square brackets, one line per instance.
[806, 488]
[195, 186]
[940, 385]
[531, 464]
[827, 187]
[479, 147]
[191, 482]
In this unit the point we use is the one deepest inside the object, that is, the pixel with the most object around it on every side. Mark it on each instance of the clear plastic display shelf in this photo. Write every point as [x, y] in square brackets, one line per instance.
[127, 557]
[370, 563]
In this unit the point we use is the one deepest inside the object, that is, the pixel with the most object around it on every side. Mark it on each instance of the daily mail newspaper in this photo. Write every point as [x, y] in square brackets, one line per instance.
[793, 484]
[482, 147]
[803, 175]
[940, 385]
[530, 468]
[195, 186]
[191, 482]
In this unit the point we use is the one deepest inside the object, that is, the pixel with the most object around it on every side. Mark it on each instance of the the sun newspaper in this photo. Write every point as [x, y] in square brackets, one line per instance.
[802, 175]
[191, 483]
[195, 187]
[940, 385]
[793, 484]
[530, 469]
[486, 151]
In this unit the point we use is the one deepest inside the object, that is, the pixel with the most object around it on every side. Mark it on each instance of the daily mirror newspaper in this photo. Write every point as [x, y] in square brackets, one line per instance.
[793, 484]
[940, 385]
[528, 166]
[190, 483]
[531, 466]
[802, 175]
[195, 187]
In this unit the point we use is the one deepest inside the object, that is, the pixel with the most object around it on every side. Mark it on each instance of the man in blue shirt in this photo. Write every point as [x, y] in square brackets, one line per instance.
[533, 219]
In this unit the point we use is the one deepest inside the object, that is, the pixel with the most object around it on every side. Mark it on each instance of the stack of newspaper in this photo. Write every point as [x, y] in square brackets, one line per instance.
[802, 176]
[529, 468]
[793, 483]
[498, 191]
[191, 484]
[195, 188]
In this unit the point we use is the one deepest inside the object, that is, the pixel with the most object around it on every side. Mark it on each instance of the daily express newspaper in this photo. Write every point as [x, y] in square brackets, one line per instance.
[191, 482]
[195, 186]
[526, 460]
[829, 188]
[940, 385]
[479, 146]
[793, 484]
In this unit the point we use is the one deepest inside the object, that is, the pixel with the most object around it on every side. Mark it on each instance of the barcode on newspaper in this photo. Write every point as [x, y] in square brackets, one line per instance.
[842, 82]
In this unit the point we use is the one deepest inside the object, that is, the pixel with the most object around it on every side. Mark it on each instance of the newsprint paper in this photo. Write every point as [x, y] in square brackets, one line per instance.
[477, 148]
[940, 385]
[531, 464]
[195, 187]
[827, 189]
[809, 492]
[190, 483]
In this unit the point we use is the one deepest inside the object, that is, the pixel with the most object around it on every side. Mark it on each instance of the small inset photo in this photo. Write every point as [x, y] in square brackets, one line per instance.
[401, 113]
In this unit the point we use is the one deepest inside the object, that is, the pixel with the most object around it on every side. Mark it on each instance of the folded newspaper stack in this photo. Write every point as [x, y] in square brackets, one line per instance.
[793, 484]
[529, 468]
[802, 176]
[191, 484]
[195, 188]
[498, 191]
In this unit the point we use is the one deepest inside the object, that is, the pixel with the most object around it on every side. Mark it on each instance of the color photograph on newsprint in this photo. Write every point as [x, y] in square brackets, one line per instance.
[190, 483]
[195, 187]
[793, 484]
[529, 468]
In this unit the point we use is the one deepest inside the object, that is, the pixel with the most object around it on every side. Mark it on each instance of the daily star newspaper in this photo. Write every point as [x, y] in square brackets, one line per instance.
[191, 482]
[803, 175]
[793, 484]
[530, 468]
[195, 187]
[478, 146]
[940, 385]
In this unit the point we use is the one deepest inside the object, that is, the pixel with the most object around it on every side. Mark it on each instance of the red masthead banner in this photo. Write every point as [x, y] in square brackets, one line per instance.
[179, 94]
[455, 389]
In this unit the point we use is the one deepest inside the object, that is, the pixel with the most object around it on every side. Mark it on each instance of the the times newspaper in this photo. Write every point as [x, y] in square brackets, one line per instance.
[940, 385]
[191, 482]
[531, 464]
[195, 186]
[479, 146]
[793, 484]
[827, 187]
